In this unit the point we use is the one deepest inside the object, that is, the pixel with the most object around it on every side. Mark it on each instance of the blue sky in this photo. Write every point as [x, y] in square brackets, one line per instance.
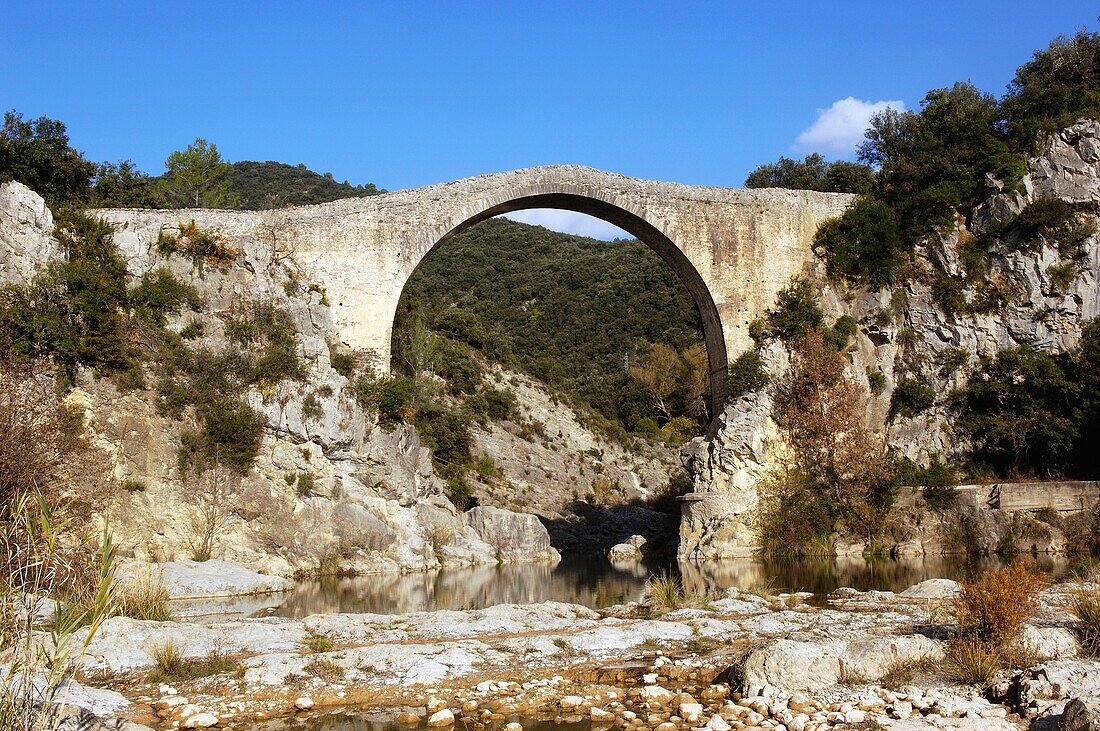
[404, 94]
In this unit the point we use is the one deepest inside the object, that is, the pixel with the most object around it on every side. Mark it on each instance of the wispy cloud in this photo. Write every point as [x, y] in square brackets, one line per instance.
[569, 222]
[839, 129]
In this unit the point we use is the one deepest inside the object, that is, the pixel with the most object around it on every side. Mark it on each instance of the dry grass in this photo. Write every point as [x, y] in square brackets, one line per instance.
[993, 607]
[325, 669]
[665, 591]
[320, 642]
[973, 661]
[171, 666]
[902, 672]
[1086, 605]
[144, 597]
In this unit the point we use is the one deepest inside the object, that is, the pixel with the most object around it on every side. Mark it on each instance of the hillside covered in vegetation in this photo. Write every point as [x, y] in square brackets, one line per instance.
[579, 314]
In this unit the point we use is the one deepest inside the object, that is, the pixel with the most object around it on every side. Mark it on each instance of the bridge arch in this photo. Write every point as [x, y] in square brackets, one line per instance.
[636, 224]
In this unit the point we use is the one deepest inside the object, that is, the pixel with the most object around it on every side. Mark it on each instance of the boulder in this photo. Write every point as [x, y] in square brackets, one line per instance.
[789, 666]
[629, 550]
[515, 537]
[1081, 714]
[932, 589]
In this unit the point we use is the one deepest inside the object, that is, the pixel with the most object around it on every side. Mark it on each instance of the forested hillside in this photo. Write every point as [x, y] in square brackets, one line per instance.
[574, 312]
[275, 184]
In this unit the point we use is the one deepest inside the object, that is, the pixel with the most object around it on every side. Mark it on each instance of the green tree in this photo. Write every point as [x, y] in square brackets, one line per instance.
[796, 311]
[864, 244]
[198, 178]
[1020, 408]
[1058, 86]
[122, 185]
[813, 173]
[37, 153]
[933, 162]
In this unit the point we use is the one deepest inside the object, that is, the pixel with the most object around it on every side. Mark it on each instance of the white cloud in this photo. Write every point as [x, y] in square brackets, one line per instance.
[569, 222]
[839, 129]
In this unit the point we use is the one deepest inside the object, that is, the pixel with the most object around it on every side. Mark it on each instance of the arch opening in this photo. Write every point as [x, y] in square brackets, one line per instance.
[646, 233]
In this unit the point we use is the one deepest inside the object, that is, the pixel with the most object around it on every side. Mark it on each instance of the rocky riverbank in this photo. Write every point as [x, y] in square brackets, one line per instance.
[737, 661]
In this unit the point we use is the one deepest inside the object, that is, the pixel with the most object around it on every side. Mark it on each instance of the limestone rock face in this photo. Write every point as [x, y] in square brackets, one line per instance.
[26, 227]
[910, 335]
[330, 491]
[1069, 165]
[513, 536]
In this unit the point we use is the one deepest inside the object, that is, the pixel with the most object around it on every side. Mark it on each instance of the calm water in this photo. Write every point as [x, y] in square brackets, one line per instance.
[589, 580]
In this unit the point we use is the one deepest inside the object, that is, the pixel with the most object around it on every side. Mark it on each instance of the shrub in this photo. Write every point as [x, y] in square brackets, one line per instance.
[305, 484]
[795, 514]
[949, 293]
[1086, 605]
[311, 407]
[972, 661]
[864, 244]
[447, 433]
[202, 247]
[492, 403]
[192, 330]
[648, 427]
[144, 597]
[876, 382]
[487, 468]
[75, 310]
[343, 363]
[796, 311]
[951, 360]
[456, 364]
[460, 493]
[1062, 275]
[992, 608]
[231, 434]
[1019, 409]
[665, 591]
[392, 398]
[133, 485]
[746, 374]
[911, 397]
[160, 294]
[841, 332]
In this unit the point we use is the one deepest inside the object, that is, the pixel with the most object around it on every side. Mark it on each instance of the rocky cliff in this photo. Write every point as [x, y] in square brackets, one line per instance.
[1044, 298]
[331, 490]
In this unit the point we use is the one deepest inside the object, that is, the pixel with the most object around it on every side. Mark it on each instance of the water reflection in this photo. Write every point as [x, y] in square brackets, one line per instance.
[593, 581]
[383, 721]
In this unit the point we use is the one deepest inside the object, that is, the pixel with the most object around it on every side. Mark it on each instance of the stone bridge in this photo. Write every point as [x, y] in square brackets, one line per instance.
[733, 249]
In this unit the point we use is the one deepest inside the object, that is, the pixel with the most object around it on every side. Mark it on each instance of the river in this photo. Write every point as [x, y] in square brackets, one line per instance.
[590, 580]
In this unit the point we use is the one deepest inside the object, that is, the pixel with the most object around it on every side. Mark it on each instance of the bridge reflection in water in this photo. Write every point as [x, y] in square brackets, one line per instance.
[592, 581]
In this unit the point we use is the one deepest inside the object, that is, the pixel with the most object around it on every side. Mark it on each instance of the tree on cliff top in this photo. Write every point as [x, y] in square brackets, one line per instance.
[1058, 86]
[198, 178]
[37, 153]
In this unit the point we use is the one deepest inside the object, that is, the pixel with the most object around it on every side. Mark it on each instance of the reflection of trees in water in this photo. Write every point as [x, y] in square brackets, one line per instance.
[593, 581]
[588, 580]
[824, 575]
